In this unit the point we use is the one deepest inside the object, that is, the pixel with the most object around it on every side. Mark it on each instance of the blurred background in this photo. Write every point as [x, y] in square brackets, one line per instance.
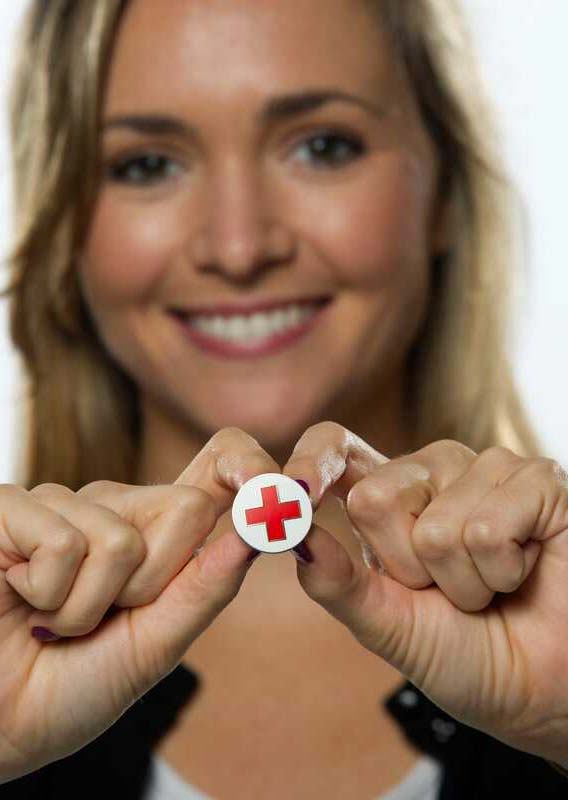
[524, 59]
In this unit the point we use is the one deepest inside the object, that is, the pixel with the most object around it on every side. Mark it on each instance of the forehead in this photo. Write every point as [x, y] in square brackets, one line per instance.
[217, 46]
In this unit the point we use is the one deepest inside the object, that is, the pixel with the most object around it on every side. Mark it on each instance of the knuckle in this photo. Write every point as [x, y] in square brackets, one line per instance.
[68, 540]
[433, 539]
[480, 534]
[230, 432]
[225, 438]
[540, 467]
[329, 431]
[50, 488]
[367, 499]
[459, 451]
[411, 472]
[123, 541]
[95, 488]
[499, 453]
[194, 502]
[454, 448]
[328, 426]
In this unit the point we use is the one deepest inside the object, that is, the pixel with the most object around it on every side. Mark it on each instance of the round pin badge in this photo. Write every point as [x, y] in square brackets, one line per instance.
[272, 512]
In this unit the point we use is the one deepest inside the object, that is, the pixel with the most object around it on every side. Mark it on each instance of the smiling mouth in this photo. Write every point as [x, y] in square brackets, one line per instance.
[258, 333]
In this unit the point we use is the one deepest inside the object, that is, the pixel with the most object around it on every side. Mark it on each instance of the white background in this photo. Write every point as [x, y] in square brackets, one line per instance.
[523, 56]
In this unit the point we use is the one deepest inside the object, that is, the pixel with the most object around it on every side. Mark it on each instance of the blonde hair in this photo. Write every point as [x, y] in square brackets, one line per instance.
[80, 413]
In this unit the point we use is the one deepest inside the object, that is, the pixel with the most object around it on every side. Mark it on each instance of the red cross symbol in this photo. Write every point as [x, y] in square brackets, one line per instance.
[273, 513]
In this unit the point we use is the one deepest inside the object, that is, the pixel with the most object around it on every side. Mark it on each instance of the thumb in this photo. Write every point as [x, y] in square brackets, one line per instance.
[165, 628]
[378, 610]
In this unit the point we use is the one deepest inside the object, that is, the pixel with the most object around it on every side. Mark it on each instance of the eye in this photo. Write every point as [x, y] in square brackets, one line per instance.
[137, 169]
[333, 149]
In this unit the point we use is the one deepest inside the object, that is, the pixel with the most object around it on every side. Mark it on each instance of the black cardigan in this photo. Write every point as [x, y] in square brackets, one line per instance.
[475, 766]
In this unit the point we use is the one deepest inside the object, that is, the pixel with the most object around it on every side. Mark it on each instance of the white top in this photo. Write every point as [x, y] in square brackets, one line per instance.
[421, 783]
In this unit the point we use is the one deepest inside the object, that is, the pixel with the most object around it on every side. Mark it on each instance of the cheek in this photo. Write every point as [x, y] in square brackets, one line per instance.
[125, 252]
[379, 231]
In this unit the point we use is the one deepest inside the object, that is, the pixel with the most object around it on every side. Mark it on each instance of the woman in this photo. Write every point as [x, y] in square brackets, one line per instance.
[330, 241]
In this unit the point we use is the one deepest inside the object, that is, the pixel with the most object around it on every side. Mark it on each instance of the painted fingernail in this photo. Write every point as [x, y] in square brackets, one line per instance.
[303, 484]
[44, 634]
[302, 553]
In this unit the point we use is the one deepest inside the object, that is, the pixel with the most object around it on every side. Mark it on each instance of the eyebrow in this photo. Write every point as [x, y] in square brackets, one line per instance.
[277, 108]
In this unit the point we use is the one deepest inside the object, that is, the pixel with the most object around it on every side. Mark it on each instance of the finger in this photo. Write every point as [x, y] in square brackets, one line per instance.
[331, 565]
[415, 527]
[173, 521]
[329, 456]
[114, 550]
[411, 512]
[230, 458]
[176, 519]
[377, 610]
[505, 532]
[415, 534]
[382, 508]
[168, 543]
[171, 539]
[382, 497]
[47, 549]
[387, 507]
[165, 628]
[469, 555]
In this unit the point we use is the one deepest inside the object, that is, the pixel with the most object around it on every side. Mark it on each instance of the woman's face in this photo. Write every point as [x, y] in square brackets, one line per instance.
[232, 205]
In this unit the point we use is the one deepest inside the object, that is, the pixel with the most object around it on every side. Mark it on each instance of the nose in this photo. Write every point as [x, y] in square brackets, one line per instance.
[242, 233]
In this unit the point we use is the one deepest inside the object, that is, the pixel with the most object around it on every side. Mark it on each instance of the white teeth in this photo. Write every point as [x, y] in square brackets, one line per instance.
[253, 327]
[257, 325]
[236, 327]
[280, 320]
[294, 315]
[216, 326]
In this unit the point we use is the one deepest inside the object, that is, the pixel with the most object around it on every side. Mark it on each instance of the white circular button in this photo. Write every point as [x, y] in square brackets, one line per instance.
[272, 513]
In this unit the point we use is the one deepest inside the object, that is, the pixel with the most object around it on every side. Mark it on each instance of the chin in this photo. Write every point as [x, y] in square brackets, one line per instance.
[276, 432]
[274, 435]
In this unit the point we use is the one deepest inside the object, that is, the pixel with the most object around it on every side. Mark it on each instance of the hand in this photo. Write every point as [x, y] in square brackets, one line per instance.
[66, 557]
[466, 588]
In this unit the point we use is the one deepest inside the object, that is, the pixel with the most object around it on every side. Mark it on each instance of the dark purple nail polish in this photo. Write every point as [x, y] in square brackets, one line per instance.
[44, 634]
[303, 551]
[253, 555]
[303, 484]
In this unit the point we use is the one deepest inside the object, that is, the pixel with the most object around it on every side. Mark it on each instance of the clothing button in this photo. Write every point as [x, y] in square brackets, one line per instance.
[408, 698]
[443, 729]
[272, 512]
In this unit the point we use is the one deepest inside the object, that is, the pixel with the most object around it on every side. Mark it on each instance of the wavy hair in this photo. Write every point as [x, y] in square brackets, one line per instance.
[79, 418]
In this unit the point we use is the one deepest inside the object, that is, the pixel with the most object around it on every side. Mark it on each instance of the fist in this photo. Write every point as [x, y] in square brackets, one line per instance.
[463, 584]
